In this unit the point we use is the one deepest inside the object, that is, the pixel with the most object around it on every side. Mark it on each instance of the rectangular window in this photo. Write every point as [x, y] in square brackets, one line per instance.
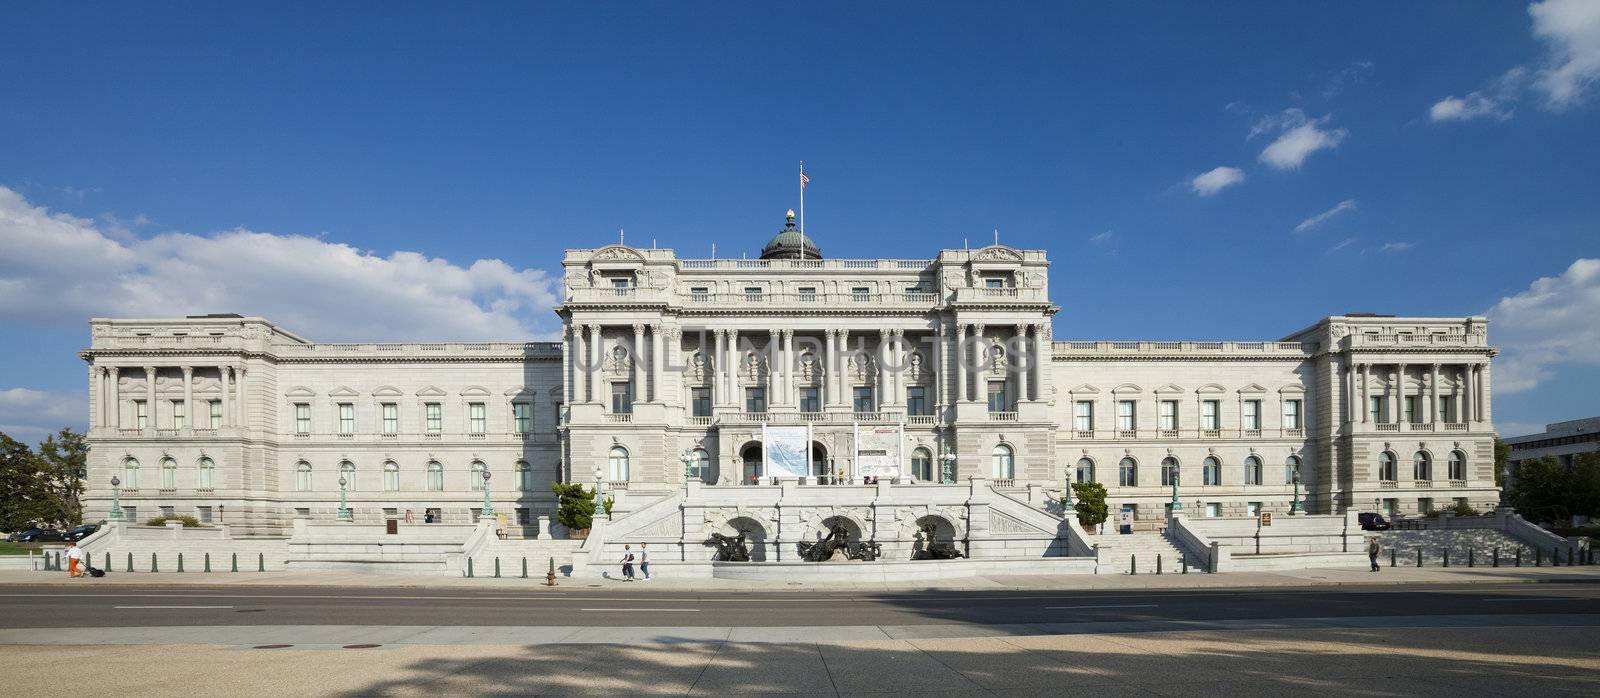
[1411, 412]
[997, 397]
[167, 511]
[477, 418]
[752, 293]
[809, 402]
[1424, 505]
[994, 282]
[141, 417]
[347, 418]
[755, 400]
[1211, 472]
[1291, 414]
[203, 514]
[1083, 415]
[131, 513]
[622, 398]
[700, 402]
[863, 399]
[177, 414]
[1208, 414]
[521, 416]
[1378, 409]
[1169, 415]
[433, 413]
[861, 294]
[391, 418]
[216, 413]
[1253, 508]
[1213, 509]
[808, 293]
[1447, 408]
[1390, 508]
[302, 418]
[1127, 417]
[917, 401]
[699, 293]
[621, 282]
[1252, 415]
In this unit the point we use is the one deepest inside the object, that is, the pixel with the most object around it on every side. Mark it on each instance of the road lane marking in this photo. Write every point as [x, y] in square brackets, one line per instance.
[1119, 605]
[1573, 598]
[168, 607]
[643, 610]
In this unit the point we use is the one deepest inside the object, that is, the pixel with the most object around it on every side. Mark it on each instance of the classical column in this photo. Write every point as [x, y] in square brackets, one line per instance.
[188, 396]
[1399, 393]
[1366, 391]
[980, 360]
[241, 402]
[150, 397]
[1350, 393]
[115, 420]
[1485, 405]
[227, 400]
[596, 344]
[734, 358]
[569, 346]
[1022, 375]
[774, 367]
[883, 370]
[961, 363]
[940, 371]
[1042, 354]
[1433, 385]
[841, 342]
[789, 395]
[637, 376]
[655, 362]
[97, 383]
[1464, 386]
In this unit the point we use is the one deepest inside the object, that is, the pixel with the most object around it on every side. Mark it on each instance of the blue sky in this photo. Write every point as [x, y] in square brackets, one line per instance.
[304, 162]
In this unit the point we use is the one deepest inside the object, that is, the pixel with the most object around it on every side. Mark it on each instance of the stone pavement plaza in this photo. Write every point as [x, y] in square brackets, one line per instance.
[1397, 661]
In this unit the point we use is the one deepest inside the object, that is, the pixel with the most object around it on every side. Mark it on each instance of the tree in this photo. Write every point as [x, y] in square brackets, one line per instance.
[1091, 504]
[1549, 491]
[575, 508]
[65, 461]
[20, 489]
[44, 488]
[1502, 459]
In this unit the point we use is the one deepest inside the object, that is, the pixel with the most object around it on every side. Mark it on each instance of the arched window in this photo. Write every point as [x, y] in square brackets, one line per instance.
[1085, 470]
[1005, 464]
[302, 476]
[391, 476]
[206, 475]
[617, 463]
[1169, 471]
[1211, 471]
[1421, 466]
[1128, 472]
[922, 465]
[347, 472]
[1291, 467]
[1458, 465]
[130, 474]
[435, 476]
[1252, 470]
[701, 468]
[1386, 467]
[524, 476]
[169, 474]
[475, 482]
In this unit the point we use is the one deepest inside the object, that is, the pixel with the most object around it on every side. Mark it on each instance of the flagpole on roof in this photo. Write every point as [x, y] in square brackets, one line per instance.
[802, 209]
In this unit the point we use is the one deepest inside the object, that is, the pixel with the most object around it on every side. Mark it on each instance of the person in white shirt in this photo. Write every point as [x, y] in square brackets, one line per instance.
[644, 561]
[627, 563]
[75, 560]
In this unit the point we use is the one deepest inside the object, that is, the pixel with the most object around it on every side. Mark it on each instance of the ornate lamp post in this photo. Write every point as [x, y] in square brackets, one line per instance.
[1177, 506]
[344, 504]
[688, 461]
[1067, 507]
[116, 498]
[1294, 506]
[599, 500]
[947, 466]
[488, 507]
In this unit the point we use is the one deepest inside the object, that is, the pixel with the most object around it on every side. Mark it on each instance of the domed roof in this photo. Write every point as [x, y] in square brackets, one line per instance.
[790, 243]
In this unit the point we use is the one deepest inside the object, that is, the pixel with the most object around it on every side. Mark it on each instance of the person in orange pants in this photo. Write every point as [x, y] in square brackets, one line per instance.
[74, 561]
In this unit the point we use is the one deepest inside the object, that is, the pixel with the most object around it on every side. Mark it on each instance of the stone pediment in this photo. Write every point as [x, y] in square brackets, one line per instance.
[431, 391]
[1211, 389]
[387, 391]
[617, 253]
[1085, 389]
[300, 391]
[1169, 389]
[475, 391]
[343, 391]
[1253, 388]
[997, 253]
[1127, 388]
[1292, 390]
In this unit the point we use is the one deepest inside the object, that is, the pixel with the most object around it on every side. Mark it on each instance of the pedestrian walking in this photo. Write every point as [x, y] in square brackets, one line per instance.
[1372, 552]
[627, 562]
[74, 560]
[644, 562]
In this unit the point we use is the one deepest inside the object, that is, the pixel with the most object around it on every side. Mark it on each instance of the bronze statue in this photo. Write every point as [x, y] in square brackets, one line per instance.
[730, 548]
[838, 539]
[932, 549]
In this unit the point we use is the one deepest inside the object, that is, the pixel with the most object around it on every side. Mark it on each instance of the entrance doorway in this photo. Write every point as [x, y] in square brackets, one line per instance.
[819, 464]
[751, 456]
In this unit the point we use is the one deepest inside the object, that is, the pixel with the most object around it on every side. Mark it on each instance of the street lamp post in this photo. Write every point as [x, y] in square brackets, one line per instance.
[947, 466]
[488, 507]
[1177, 506]
[1294, 506]
[116, 498]
[344, 504]
[599, 500]
[688, 461]
[1067, 507]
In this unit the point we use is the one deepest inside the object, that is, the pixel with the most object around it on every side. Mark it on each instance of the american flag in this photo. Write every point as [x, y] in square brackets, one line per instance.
[804, 180]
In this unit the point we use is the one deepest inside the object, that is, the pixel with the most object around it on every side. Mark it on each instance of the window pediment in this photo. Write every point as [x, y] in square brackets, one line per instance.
[1085, 389]
[1293, 390]
[1211, 389]
[1253, 388]
[1127, 389]
[343, 391]
[475, 391]
[1169, 389]
[300, 391]
[387, 391]
[431, 391]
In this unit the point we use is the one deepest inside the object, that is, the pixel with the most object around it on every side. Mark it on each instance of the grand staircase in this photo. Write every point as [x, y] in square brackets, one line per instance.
[1482, 542]
[1120, 553]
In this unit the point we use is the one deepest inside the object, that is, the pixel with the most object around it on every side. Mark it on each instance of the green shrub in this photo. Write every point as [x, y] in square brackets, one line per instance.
[187, 521]
[1090, 503]
[575, 508]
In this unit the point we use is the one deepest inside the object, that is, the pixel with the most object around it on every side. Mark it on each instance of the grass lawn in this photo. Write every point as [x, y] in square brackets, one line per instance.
[19, 548]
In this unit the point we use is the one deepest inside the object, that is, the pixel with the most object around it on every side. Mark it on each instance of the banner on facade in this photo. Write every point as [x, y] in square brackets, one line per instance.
[878, 451]
[786, 450]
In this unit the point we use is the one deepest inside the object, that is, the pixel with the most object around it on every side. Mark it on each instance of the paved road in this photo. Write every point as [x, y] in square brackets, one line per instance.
[133, 606]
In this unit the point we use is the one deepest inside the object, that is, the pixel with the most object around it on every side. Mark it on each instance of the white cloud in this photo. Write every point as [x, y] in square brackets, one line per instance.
[1497, 101]
[1396, 247]
[1353, 75]
[1342, 244]
[1101, 238]
[57, 269]
[1571, 32]
[1551, 323]
[1319, 219]
[1216, 180]
[1299, 137]
[29, 415]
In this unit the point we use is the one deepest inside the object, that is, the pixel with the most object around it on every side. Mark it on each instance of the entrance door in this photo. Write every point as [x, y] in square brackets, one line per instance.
[752, 463]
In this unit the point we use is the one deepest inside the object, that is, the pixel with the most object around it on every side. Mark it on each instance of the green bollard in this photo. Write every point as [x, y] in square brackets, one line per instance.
[1519, 557]
[154, 563]
[130, 562]
[261, 562]
[469, 568]
[235, 566]
[208, 563]
[58, 561]
[1133, 564]
[108, 560]
[1391, 557]
[1538, 557]
[497, 567]
[1158, 563]
[1469, 557]
[524, 567]
[1496, 558]
[1446, 557]
[1183, 558]
[1419, 557]
[180, 563]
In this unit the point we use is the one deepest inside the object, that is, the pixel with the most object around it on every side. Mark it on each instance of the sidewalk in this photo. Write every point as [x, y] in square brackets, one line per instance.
[1281, 579]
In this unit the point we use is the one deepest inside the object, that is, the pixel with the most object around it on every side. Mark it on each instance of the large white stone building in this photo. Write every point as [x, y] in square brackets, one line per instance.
[671, 368]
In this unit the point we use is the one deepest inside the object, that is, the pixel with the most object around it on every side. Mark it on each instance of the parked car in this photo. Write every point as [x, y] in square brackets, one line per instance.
[1373, 521]
[34, 535]
[80, 532]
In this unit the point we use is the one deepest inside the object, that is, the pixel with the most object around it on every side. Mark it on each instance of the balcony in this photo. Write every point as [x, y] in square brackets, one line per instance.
[699, 421]
[1387, 427]
[1458, 483]
[833, 300]
[1455, 426]
[1252, 433]
[1127, 433]
[1122, 348]
[1002, 416]
[622, 418]
[1420, 426]
[1388, 485]
[1167, 433]
[922, 420]
[1000, 295]
[1294, 432]
[1210, 433]
[1082, 434]
[1422, 484]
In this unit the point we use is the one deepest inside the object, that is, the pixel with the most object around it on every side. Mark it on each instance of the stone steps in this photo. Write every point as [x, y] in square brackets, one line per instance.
[1481, 542]
[1120, 552]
